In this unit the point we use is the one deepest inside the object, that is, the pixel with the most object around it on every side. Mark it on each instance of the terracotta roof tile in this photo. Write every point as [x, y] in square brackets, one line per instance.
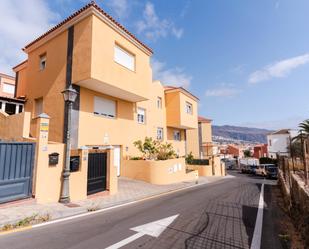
[169, 88]
[87, 6]
[282, 131]
[202, 119]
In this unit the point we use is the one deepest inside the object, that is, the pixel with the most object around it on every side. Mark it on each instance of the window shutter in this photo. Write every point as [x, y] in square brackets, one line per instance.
[124, 58]
[104, 107]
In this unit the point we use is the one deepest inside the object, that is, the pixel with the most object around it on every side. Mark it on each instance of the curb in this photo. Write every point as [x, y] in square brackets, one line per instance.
[84, 214]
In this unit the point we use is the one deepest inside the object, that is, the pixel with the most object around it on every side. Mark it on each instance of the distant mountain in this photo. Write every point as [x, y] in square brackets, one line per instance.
[231, 133]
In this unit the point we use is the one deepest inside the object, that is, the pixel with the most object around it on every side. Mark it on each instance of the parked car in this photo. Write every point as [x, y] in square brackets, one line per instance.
[252, 169]
[272, 172]
[260, 170]
[244, 169]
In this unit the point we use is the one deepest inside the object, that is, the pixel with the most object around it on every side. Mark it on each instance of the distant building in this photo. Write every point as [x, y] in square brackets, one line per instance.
[260, 151]
[279, 141]
[8, 103]
[233, 150]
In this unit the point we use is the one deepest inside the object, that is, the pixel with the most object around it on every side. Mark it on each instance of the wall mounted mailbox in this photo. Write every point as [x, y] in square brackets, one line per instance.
[53, 158]
[74, 163]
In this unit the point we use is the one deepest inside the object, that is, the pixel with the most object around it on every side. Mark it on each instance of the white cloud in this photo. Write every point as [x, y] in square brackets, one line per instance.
[120, 7]
[153, 27]
[224, 90]
[20, 23]
[174, 76]
[278, 69]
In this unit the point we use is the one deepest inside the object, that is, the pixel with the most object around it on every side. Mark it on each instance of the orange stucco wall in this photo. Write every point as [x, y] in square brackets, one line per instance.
[158, 172]
[176, 115]
[14, 127]
[206, 132]
[124, 129]
[105, 69]
[193, 142]
[48, 83]
[188, 120]
[22, 81]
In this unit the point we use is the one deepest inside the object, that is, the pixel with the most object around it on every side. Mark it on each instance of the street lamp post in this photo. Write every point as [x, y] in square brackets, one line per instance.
[69, 96]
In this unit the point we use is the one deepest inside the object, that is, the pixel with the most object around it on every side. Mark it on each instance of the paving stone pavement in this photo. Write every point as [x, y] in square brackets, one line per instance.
[128, 190]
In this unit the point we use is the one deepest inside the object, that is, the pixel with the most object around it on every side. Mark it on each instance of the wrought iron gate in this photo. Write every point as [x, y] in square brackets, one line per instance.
[97, 164]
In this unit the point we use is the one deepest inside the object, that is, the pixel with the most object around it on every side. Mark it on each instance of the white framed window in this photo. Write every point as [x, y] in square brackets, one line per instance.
[159, 133]
[104, 107]
[8, 88]
[141, 115]
[189, 108]
[42, 61]
[159, 102]
[124, 58]
[177, 135]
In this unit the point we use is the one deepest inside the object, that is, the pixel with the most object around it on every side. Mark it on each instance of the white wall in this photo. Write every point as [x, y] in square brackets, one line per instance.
[279, 144]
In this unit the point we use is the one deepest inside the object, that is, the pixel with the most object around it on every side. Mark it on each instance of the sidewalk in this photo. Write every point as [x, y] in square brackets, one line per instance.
[128, 190]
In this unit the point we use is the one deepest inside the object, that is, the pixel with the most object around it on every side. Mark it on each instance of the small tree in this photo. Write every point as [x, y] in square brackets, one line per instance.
[154, 149]
[165, 151]
[247, 153]
[148, 147]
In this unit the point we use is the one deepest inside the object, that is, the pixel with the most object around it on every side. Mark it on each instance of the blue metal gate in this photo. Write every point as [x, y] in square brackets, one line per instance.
[16, 168]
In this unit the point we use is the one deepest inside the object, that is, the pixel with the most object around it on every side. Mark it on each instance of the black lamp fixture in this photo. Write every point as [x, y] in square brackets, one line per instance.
[69, 94]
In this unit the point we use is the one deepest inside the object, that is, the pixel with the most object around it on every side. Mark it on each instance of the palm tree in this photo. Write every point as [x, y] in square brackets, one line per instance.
[304, 127]
[303, 131]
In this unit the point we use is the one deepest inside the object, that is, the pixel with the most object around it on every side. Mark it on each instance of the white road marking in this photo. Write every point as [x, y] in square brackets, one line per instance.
[257, 235]
[153, 229]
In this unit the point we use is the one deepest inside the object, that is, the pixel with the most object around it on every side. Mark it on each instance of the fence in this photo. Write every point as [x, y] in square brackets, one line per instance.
[293, 165]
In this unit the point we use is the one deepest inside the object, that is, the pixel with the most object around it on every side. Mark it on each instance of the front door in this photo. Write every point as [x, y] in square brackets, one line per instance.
[96, 172]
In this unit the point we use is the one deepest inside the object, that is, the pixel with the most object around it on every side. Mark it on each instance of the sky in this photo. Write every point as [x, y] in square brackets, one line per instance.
[247, 61]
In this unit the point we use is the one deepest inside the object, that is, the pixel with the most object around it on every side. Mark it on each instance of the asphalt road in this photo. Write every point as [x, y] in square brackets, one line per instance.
[218, 215]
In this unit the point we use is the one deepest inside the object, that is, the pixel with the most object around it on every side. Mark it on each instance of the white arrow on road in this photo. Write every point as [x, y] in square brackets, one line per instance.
[153, 229]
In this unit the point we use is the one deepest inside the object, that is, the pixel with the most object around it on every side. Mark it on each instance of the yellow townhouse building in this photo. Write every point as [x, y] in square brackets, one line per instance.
[118, 102]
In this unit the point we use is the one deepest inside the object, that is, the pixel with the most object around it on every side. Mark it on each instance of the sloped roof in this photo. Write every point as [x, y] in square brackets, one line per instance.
[23, 62]
[204, 120]
[77, 13]
[282, 131]
[174, 88]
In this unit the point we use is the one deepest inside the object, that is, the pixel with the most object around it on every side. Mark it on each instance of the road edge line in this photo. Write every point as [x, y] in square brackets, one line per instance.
[257, 234]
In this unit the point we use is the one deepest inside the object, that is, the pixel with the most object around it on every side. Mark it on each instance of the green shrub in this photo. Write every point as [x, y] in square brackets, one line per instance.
[191, 161]
[189, 158]
[148, 147]
[154, 149]
[165, 152]
[268, 160]
[136, 158]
